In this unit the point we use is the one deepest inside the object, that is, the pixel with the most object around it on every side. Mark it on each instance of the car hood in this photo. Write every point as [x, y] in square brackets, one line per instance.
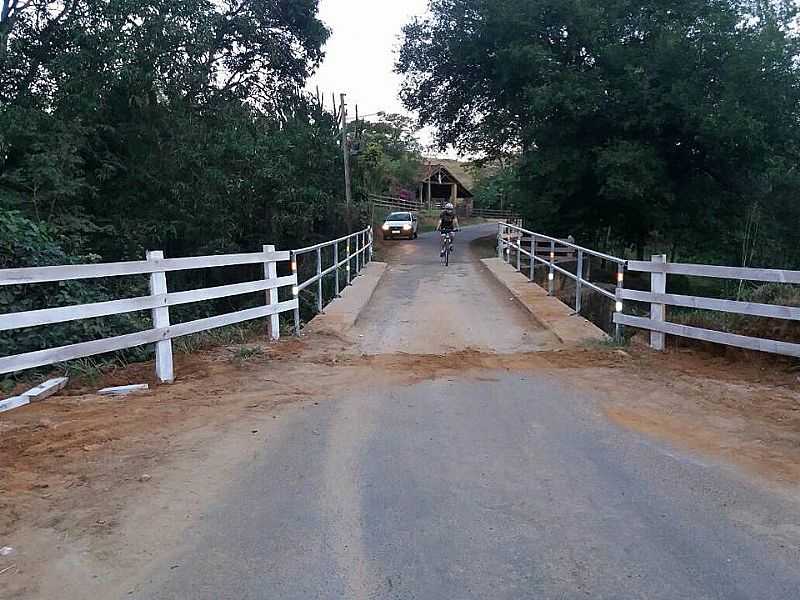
[397, 223]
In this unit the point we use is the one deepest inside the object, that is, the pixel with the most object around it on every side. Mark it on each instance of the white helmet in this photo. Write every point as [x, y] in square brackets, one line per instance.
[448, 206]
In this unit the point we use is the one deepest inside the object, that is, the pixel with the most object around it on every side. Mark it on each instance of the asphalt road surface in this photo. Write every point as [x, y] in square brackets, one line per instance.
[496, 486]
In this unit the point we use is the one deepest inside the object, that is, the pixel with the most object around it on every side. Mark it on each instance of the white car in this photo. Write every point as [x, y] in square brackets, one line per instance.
[401, 224]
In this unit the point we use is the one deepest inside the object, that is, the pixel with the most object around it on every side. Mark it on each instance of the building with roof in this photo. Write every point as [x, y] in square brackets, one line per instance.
[442, 181]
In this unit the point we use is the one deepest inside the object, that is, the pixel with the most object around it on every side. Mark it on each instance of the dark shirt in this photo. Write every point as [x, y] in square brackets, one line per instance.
[447, 218]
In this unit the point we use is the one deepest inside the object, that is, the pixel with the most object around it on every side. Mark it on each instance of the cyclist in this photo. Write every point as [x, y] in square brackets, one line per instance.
[448, 223]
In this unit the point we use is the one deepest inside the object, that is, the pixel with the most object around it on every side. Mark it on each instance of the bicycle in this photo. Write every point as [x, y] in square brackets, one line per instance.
[447, 247]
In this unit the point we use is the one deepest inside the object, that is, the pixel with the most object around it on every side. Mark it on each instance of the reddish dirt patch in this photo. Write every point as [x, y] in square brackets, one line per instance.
[745, 413]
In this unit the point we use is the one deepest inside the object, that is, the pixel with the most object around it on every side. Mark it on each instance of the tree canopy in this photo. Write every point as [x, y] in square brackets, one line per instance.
[161, 123]
[671, 123]
[388, 157]
[153, 124]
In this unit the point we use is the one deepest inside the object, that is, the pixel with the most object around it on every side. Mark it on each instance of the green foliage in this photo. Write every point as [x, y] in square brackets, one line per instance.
[497, 188]
[388, 157]
[153, 124]
[24, 243]
[670, 124]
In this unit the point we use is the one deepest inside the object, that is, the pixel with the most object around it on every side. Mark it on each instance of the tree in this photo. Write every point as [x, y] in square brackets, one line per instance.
[128, 125]
[663, 121]
[389, 157]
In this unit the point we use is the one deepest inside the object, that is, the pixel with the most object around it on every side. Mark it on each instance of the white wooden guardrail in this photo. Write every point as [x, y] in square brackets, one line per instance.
[158, 302]
[658, 326]
[357, 252]
[514, 239]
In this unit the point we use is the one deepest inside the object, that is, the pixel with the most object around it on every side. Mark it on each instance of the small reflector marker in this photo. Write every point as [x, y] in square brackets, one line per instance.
[619, 307]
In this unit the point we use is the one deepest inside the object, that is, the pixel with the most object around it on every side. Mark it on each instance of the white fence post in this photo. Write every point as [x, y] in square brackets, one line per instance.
[533, 260]
[579, 283]
[296, 295]
[359, 256]
[349, 262]
[320, 304]
[336, 270]
[499, 241]
[158, 286]
[551, 274]
[658, 285]
[618, 305]
[271, 272]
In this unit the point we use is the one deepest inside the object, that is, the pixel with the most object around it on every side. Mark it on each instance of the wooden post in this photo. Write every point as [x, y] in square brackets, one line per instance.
[658, 285]
[346, 154]
[454, 194]
[551, 275]
[296, 294]
[579, 283]
[271, 272]
[430, 197]
[500, 241]
[158, 286]
[319, 281]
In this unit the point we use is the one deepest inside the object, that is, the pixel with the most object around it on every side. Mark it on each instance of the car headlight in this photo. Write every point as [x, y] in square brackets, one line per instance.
[406, 227]
[386, 227]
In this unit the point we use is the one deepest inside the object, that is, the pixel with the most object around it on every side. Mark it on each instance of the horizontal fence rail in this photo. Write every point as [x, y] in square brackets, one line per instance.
[352, 258]
[157, 302]
[396, 203]
[659, 299]
[492, 213]
[546, 251]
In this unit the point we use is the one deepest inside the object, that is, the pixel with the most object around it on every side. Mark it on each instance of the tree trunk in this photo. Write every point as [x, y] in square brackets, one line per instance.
[5, 30]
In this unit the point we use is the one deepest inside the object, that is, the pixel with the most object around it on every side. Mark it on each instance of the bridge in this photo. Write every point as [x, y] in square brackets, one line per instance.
[435, 432]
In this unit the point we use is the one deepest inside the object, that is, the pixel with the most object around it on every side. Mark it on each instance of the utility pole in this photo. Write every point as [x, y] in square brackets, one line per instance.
[346, 152]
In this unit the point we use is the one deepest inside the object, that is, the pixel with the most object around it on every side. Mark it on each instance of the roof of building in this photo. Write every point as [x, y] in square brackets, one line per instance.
[452, 171]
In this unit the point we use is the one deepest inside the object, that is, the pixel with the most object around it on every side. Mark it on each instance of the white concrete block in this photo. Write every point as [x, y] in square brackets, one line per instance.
[124, 389]
[46, 389]
[15, 402]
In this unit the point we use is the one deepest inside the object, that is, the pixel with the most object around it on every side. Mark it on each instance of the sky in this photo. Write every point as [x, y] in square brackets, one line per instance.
[361, 52]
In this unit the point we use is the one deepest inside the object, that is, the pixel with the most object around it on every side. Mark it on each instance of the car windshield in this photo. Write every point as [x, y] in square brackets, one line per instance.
[399, 217]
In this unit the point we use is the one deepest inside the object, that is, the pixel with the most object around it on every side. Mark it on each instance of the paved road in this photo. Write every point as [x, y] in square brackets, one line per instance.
[502, 486]
[426, 308]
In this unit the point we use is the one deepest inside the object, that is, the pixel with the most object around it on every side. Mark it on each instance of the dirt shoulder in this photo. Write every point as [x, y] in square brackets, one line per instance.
[102, 478]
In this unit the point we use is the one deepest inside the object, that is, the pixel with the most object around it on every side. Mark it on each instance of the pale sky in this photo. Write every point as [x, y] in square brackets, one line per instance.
[361, 52]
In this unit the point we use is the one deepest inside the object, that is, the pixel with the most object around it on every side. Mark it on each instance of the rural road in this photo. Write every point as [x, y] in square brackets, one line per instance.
[495, 485]
[422, 307]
